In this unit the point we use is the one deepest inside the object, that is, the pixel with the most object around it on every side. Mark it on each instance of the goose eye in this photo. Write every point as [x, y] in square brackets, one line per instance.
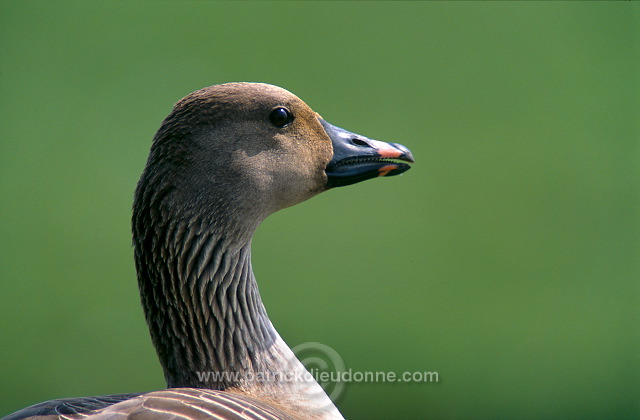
[280, 117]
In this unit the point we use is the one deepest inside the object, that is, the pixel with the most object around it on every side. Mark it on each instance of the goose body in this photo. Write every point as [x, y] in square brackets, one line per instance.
[225, 158]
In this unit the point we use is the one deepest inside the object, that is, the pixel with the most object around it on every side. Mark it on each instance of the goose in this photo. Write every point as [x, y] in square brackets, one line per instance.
[225, 158]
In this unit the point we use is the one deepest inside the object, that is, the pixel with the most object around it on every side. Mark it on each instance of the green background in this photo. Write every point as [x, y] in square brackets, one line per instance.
[507, 259]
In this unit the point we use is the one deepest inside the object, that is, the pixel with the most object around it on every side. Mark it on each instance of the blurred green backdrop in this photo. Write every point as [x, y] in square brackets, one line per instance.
[506, 259]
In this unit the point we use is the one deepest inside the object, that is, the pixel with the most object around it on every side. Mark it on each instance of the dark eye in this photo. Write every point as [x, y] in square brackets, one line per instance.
[280, 117]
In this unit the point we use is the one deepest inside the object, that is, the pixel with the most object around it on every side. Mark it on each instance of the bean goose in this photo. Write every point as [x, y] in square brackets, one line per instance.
[225, 158]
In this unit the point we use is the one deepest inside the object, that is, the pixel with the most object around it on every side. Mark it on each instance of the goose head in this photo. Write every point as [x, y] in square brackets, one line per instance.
[251, 149]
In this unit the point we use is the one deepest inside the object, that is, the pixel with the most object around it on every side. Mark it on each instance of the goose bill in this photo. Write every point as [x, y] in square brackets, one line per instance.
[357, 158]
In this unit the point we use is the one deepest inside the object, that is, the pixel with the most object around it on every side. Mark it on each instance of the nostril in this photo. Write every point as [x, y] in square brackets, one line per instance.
[359, 142]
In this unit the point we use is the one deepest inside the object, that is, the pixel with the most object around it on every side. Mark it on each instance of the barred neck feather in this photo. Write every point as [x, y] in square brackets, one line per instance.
[202, 303]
